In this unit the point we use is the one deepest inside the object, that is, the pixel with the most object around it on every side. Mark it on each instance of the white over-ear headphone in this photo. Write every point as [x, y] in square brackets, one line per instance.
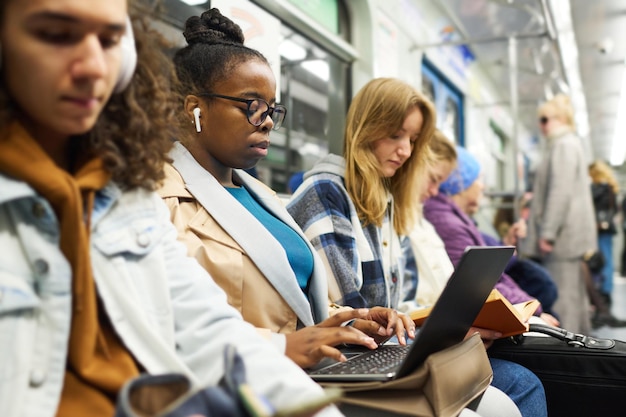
[196, 118]
[129, 58]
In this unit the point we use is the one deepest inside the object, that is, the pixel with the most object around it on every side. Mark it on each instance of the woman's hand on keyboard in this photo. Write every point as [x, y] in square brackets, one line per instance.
[382, 323]
[311, 344]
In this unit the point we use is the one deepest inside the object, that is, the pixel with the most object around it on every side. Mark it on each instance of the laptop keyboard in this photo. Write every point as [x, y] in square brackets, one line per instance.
[379, 361]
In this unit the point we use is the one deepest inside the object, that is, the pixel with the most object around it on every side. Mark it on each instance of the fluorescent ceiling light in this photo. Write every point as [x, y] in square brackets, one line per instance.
[291, 50]
[319, 68]
[194, 2]
[618, 144]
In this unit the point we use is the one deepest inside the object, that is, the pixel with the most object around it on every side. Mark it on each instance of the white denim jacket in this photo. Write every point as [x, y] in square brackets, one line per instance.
[165, 307]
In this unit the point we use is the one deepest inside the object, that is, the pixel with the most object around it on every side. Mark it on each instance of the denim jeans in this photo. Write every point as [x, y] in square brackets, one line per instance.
[605, 244]
[521, 385]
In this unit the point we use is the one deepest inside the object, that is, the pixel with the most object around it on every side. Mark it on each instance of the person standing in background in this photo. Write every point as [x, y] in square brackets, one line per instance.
[604, 190]
[561, 226]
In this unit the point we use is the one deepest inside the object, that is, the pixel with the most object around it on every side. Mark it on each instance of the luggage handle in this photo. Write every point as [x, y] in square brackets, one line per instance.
[572, 339]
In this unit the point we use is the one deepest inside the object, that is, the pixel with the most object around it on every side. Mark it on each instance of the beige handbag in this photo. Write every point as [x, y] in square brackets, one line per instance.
[442, 386]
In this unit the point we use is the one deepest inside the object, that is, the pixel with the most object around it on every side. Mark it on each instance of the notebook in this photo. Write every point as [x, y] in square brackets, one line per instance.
[448, 323]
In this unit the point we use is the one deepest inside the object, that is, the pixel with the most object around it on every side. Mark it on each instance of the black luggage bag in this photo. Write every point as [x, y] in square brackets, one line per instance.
[582, 375]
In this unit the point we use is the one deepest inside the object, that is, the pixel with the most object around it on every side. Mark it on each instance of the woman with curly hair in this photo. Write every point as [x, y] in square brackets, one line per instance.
[94, 287]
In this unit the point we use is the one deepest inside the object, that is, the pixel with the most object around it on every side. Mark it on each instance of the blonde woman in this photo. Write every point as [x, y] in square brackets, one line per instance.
[561, 226]
[353, 208]
[604, 190]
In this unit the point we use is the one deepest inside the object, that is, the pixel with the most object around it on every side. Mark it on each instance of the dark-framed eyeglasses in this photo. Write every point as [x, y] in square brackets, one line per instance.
[543, 120]
[257, 109]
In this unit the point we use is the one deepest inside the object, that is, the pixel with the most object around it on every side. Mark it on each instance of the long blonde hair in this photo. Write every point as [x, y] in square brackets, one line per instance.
[600, 172]
[378, 111]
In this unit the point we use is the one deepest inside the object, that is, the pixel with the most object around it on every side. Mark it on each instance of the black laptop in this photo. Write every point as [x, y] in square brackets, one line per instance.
[448, 323]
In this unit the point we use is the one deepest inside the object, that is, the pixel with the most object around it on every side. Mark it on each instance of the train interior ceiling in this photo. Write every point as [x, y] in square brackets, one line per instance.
[487, 64]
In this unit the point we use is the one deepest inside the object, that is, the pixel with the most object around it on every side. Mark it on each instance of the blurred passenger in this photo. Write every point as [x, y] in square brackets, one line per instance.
[435, 268]
[94, 286]
[604, 190]
[561, 226]
[355, 208]
[530, 275]
[449, 212]
[504, 217]
[235, 226]
[433, 263]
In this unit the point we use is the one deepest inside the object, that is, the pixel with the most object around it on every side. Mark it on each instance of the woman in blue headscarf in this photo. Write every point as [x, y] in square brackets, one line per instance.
[448, 212]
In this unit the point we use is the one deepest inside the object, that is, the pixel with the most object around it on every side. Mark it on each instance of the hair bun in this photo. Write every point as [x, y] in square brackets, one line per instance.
[212, 27]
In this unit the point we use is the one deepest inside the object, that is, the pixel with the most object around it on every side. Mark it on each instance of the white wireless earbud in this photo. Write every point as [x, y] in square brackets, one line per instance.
[196, 117]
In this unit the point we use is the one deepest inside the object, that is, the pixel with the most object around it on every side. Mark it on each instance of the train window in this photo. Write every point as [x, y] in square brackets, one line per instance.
[305, 81]
[450, 123]
[315, 106]
[448, 102]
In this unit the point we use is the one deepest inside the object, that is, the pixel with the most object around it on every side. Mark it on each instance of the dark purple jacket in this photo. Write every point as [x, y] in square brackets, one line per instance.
[458, 231]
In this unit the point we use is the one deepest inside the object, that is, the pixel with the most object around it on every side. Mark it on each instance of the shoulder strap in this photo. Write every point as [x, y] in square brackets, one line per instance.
[572, 339]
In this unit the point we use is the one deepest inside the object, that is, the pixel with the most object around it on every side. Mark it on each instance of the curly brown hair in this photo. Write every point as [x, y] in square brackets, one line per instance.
[134, 132]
